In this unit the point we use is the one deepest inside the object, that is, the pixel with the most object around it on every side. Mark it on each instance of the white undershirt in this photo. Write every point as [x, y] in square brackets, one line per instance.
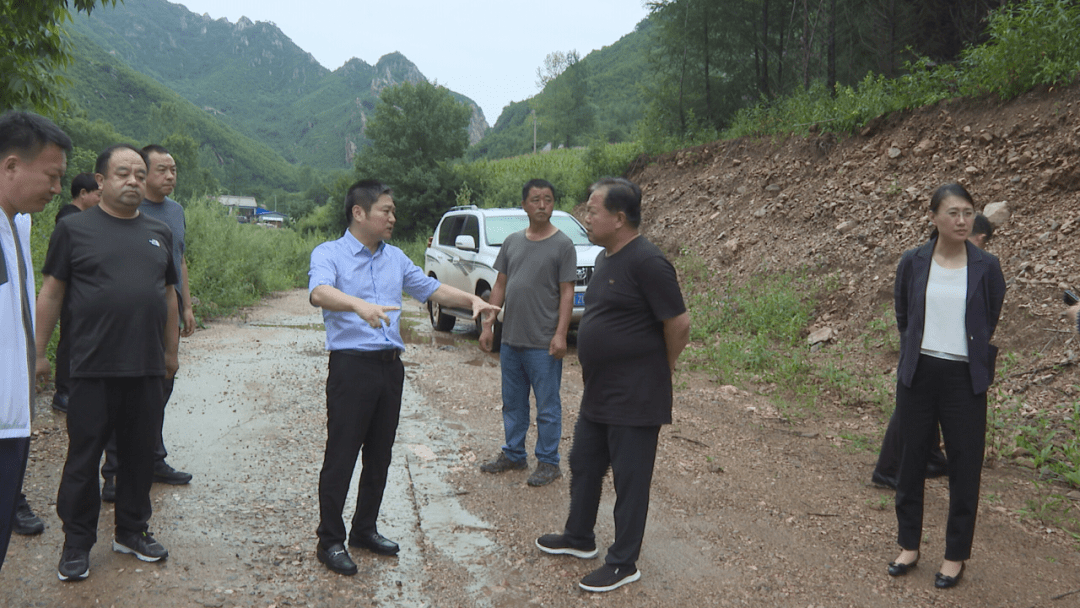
[944, 332]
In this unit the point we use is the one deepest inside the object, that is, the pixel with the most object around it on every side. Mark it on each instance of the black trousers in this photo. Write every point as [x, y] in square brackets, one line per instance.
[940, 392]
[13, 455]
[111, 466]
[630, 451]
[63, 352]
[132, 408]
[892, 448]
[363, 404]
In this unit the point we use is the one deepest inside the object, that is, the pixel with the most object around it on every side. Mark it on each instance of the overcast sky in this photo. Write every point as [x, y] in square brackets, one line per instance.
[487, 50]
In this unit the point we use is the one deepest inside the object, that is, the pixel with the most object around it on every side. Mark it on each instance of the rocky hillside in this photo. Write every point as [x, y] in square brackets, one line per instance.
[847, 208]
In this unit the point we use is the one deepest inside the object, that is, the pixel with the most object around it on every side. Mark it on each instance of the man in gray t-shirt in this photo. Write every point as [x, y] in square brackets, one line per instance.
[537, 269]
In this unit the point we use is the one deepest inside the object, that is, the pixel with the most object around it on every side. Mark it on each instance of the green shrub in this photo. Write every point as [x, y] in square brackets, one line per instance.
[232, 265]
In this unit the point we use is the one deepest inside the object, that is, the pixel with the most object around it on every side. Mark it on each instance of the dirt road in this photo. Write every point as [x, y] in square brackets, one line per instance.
[747, 509]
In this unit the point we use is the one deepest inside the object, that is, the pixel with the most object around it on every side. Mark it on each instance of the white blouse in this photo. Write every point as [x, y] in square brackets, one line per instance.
[945, 332]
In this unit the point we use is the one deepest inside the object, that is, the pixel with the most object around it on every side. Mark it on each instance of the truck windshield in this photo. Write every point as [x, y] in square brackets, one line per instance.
[499, 227]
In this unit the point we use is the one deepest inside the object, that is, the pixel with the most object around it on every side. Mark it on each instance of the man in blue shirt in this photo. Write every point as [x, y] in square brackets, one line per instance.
[358, 280]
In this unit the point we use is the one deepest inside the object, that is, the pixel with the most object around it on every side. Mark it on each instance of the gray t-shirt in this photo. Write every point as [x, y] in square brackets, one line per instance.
[170, 212]
[534, 270]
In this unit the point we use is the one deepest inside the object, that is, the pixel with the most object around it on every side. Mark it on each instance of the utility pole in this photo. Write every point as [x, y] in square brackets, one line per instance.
[534, 130]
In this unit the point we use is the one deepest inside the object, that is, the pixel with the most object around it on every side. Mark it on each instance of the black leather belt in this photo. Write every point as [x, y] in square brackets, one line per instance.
[389, 354]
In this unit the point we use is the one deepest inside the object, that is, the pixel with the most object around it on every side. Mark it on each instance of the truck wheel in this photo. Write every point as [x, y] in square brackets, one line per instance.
[439, 319]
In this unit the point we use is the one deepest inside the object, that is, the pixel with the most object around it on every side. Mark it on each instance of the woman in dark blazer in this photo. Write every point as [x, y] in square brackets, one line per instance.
[948, 297]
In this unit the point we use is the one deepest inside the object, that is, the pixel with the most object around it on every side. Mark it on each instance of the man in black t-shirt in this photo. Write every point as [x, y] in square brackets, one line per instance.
[115, 267]
[634, 328]
[84, 195]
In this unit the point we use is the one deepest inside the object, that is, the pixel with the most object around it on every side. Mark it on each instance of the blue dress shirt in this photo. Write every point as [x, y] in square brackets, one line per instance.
[377, 278]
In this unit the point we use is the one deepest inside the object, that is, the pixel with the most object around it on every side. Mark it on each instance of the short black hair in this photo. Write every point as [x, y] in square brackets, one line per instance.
[83, 181]
[364, 193]
[102, 164]
[153, 149]
[26, 133]
[537, 183]
[982, 225]
[621, 195]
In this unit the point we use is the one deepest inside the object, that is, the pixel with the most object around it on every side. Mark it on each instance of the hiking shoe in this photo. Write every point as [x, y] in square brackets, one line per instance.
[25, 522]
[74, 564]
[544, 474]
[163, 473]
[141, 545]
[609, 577]
[503, 463]
[559, 544]
[108, 490]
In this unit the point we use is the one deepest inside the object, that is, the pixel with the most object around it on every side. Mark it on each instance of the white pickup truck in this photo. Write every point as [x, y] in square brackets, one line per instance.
[466, 242]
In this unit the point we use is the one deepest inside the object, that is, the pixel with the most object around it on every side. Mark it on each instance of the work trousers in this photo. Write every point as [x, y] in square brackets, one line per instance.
[13, 455]
[363, 404]
[131, 408]
[940, 393]
[630, 451]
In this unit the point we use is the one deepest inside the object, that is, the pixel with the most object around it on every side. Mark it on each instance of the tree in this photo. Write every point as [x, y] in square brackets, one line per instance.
[35, 50]
[416, 130]
[563, 107]
[555, 64]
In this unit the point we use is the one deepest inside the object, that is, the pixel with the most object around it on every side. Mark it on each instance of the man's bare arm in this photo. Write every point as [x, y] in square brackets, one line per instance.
[47, 307]
[676, 336]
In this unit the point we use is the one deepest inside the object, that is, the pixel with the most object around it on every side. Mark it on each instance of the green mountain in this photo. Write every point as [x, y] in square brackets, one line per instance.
[252, 77]
[103, 88]
[616, 75]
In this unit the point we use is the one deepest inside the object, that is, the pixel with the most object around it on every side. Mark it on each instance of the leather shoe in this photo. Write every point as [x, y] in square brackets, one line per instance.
[60, 402]
[883, 481]
[896, 569]
[375, 542]
[336, 558]
[944, 582]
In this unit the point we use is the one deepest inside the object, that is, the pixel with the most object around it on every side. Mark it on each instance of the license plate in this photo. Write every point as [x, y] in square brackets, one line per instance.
[579, 299]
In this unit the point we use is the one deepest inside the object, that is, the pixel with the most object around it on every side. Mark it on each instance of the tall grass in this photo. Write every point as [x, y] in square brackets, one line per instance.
[232, 265]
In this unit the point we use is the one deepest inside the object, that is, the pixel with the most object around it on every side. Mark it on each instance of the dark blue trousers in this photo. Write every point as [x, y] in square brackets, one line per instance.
[13, 455]
[940, 393]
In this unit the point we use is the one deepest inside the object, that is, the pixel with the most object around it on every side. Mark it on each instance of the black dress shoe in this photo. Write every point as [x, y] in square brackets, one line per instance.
[883, 481]
[336, 558]
[374, 542]
[896, 569]
[60, 402]
[944, 582]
